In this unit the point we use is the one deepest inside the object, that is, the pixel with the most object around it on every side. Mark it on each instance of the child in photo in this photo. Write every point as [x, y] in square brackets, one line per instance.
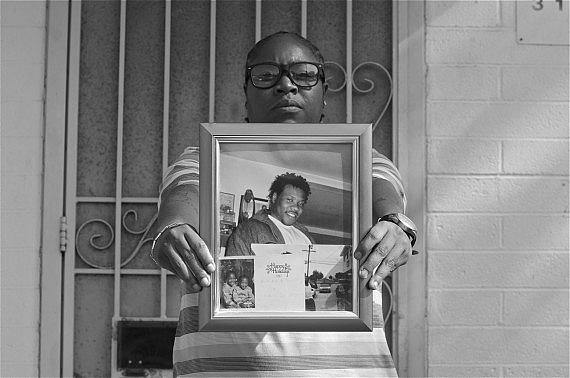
[243, 294]
[227, 290]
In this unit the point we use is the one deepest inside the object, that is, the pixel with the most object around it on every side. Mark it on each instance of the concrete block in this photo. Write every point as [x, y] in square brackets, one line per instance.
[535, 157]
[463, 371]
[537, 371]
[22, 81]
[471, 156]
[21, 192]
[491, 345]
[22, 118]
[21, 229]
[462, 83]
[463, 232]
[497, 270]
[497, 195]
[21, 155]
[535, 83]
[542, 307]
[20, 345]
[20, 307]
[508, 14]
[532, 194]
[20, 269]
[463, 194]
[23, 44]
[23, 13]
[539, 232]
[29, 369]
[498, 120]
[485, 46]
[464, 307]
[463, 13]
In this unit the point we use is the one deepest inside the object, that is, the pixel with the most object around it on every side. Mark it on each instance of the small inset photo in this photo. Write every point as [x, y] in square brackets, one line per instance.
[328, 278]
[237, 286]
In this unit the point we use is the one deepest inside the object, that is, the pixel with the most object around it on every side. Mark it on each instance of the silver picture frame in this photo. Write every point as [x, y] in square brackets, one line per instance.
[316, 150]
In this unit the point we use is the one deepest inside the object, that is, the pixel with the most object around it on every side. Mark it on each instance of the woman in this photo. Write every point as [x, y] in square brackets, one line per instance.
[246, 206]
[277, 89]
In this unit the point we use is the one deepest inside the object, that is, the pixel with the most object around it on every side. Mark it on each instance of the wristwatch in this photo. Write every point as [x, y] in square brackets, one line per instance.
[404, 223]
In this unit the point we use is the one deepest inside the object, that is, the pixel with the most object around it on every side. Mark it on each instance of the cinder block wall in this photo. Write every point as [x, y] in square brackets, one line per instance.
[23, 61]
[497, 116]
[497, 125]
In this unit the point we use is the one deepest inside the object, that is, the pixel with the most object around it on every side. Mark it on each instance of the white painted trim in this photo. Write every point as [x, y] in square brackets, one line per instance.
[410, 153]
[53, 188]
[71, 186]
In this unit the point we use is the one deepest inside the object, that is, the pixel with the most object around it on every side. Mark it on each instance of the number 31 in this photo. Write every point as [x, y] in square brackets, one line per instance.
[539, 5]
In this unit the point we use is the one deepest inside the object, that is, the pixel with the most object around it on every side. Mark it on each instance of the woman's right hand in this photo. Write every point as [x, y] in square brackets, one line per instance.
[182, 251]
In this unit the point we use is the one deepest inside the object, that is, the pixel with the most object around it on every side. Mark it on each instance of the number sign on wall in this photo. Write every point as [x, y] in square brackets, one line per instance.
[543, 22]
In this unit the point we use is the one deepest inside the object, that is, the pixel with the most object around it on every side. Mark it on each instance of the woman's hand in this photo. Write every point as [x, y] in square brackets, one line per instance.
[181, 250]
[386, 247]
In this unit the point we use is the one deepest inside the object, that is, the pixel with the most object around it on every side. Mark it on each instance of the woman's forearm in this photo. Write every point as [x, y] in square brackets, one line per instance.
[385, 199]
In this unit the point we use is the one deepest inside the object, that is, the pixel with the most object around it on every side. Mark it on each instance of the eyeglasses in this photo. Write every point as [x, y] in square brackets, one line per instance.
[302, 74]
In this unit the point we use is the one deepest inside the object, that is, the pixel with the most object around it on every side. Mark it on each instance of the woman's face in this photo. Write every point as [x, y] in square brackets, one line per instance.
[284, 102]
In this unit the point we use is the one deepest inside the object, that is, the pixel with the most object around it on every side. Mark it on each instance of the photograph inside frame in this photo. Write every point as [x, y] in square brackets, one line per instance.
[285, 227]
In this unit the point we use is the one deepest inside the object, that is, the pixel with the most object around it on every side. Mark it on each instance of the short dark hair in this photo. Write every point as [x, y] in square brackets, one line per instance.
[242, 277]
[297, 181]
[304, 41]
[228, 274]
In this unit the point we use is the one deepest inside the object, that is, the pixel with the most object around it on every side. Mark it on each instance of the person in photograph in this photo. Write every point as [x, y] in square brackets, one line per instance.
[279, 224]
[246, 206]
[284, 83]
[342, 297]
[242, 294]
[310, 295]
[228, 289]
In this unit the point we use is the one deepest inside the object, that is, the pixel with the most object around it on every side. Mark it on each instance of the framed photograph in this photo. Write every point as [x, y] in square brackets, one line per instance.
[288, 265]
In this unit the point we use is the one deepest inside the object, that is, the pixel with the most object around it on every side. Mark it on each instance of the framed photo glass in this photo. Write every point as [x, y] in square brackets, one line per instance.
[304, 197]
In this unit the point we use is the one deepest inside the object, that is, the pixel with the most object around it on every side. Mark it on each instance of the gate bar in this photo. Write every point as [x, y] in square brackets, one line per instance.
[304, 18]
[212, 60]
[257, 20]
[349, 61]
[165, 128]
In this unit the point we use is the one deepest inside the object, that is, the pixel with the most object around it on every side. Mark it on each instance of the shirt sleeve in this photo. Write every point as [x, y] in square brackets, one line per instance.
[184, 171]
[383, 168]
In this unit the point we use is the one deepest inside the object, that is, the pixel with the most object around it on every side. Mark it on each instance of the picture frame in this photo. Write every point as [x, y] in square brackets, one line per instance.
[296, 286]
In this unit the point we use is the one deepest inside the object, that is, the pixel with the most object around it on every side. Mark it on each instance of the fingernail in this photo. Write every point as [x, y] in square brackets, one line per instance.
[363, 273]
[211, 267]
[204, 281]
[357, 255]
[374, 285]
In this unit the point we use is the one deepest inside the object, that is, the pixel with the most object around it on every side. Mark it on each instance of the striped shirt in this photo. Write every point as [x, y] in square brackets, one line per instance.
[277, 354]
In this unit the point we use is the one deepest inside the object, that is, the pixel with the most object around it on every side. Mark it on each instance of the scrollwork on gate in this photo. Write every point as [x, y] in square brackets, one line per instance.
[334, 86]
[101, 241]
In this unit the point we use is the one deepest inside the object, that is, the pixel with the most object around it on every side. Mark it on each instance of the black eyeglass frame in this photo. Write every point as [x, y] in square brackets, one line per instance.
[284, 68]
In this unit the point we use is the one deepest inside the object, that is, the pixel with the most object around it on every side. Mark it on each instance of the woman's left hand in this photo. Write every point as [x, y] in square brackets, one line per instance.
[385, 246]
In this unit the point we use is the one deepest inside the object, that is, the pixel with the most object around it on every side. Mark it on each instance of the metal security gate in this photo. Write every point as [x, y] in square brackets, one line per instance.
[142, 76]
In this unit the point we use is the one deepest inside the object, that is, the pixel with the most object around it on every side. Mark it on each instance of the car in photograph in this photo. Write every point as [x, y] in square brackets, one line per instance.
[325, 288]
